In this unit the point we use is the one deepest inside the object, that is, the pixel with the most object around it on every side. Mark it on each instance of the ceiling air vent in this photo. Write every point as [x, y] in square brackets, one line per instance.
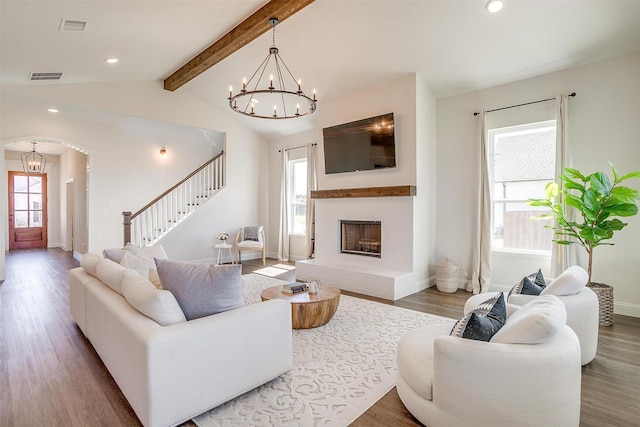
[72, 25]
[45, 76]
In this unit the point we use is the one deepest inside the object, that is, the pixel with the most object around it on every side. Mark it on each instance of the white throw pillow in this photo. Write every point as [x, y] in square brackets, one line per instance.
[535, 322]
[160, 306]
[154, 251]
[569, 282]
[143, 266]
[149, 252]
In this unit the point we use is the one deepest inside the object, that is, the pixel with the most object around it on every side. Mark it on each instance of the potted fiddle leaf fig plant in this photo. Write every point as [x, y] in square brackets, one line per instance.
[598, 201]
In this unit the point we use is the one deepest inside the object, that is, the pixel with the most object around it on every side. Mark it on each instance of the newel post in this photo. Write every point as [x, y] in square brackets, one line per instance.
[126, 222]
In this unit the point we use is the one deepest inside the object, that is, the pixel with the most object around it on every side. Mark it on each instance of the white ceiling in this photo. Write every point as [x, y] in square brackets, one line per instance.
[336, 46]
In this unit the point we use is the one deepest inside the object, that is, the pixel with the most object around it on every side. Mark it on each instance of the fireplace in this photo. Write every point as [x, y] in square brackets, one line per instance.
[361, 238]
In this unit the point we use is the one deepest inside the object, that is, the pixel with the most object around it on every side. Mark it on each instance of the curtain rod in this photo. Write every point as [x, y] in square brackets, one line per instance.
[293, 148]
[520, 105]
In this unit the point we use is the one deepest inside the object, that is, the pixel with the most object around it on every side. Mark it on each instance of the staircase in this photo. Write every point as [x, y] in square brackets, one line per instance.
[161, 215]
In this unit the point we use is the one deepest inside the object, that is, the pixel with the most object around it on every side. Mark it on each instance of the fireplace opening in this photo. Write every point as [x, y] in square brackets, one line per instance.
[361, 238]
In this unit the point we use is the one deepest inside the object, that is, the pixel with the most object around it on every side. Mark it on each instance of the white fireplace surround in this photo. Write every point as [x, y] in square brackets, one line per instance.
[391, 276]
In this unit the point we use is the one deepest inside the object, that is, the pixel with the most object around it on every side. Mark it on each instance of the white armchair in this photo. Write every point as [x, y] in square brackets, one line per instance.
[450, 381]
[250, 239]
[580, 302]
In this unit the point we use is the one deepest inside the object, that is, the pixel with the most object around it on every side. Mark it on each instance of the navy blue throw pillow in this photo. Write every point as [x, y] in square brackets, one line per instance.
[532, 284]
[484, 321]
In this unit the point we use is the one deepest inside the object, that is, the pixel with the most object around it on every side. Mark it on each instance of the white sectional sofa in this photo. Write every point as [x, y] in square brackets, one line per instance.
[172, 373]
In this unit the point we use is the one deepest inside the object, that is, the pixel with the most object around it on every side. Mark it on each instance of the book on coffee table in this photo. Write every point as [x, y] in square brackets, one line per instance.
[294, 288]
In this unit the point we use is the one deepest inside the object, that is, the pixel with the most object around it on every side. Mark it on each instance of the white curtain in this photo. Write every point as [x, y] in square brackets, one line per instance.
[560, 254]
[283, 233]
[312, 185]
[481, 260]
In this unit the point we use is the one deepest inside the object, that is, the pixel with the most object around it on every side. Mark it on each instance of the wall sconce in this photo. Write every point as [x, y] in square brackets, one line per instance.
[163, 151]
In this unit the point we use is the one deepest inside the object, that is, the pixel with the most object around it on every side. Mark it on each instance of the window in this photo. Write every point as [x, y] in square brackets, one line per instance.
[27, 200]
[297, 196]
[521, 163]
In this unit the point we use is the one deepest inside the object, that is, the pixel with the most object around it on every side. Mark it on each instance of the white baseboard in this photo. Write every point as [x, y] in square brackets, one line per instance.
[626, 309]
[77, 256]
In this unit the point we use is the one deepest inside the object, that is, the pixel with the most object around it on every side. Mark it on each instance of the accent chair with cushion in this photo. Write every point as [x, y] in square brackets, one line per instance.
[580, 302]
[527, 374]
[250, 239]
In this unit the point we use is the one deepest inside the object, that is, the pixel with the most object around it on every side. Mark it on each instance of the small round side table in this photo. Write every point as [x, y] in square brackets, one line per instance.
[221, 247]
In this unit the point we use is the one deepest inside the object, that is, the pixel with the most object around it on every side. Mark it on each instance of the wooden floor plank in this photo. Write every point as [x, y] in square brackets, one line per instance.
[50, 374]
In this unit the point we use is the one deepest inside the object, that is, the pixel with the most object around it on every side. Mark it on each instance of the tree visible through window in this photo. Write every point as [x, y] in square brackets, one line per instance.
[522, 162]
[298, 196]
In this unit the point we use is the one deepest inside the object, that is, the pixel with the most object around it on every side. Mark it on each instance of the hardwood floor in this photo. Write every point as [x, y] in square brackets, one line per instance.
[50, 375]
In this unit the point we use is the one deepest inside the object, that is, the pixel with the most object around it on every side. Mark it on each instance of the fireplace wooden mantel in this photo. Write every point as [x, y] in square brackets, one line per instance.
[393, 191]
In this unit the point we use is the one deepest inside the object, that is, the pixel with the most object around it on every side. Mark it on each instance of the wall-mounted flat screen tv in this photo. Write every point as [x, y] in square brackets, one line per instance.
[361, 145]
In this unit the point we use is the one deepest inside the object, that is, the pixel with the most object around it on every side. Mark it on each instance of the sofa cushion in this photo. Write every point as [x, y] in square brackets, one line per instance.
[89, 262]
[569, 282]
[532, 284]
[536, 322]
[484, 321]
[202, 289]
[111, 274]
[158, 305]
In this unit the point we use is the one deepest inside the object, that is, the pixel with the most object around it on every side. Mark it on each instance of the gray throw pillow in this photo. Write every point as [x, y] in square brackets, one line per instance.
[251, 233]
[202, 289]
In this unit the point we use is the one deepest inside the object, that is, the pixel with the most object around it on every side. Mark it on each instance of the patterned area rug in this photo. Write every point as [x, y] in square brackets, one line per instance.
[339, 370]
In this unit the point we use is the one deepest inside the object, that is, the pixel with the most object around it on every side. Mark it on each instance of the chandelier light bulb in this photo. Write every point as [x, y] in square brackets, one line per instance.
[494, 6]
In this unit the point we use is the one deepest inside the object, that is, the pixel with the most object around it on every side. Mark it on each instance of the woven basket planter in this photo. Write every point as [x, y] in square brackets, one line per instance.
[605, 301]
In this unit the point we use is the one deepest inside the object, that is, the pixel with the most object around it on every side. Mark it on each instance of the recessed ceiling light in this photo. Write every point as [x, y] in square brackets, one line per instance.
[494, 6]
[52, 110]
[111, 60]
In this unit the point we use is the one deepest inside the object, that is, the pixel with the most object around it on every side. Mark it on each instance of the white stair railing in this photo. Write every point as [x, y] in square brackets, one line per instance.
[161, 215]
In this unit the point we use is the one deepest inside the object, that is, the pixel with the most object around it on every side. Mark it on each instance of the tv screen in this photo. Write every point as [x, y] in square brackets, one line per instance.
[361, 145]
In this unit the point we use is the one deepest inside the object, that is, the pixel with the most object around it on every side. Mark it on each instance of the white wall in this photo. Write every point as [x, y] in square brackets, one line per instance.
[119, 125]
[604, 125]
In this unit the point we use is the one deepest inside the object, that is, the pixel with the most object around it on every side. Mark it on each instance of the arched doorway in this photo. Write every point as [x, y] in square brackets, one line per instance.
[69, 163]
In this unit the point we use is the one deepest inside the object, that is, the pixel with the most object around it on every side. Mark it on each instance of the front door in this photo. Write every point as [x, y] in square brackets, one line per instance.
[27, 210]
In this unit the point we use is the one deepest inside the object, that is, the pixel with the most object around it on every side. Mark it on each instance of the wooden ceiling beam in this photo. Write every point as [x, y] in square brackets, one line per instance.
[248, 30]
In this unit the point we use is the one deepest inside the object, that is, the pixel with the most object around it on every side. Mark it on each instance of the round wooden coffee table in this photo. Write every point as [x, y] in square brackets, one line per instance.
[307, 310]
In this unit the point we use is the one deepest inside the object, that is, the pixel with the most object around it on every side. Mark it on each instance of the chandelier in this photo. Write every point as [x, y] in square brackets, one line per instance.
[274, 101]
[33, 162]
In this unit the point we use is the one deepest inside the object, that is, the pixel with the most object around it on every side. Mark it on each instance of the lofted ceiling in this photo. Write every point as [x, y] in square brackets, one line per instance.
[335, 46]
